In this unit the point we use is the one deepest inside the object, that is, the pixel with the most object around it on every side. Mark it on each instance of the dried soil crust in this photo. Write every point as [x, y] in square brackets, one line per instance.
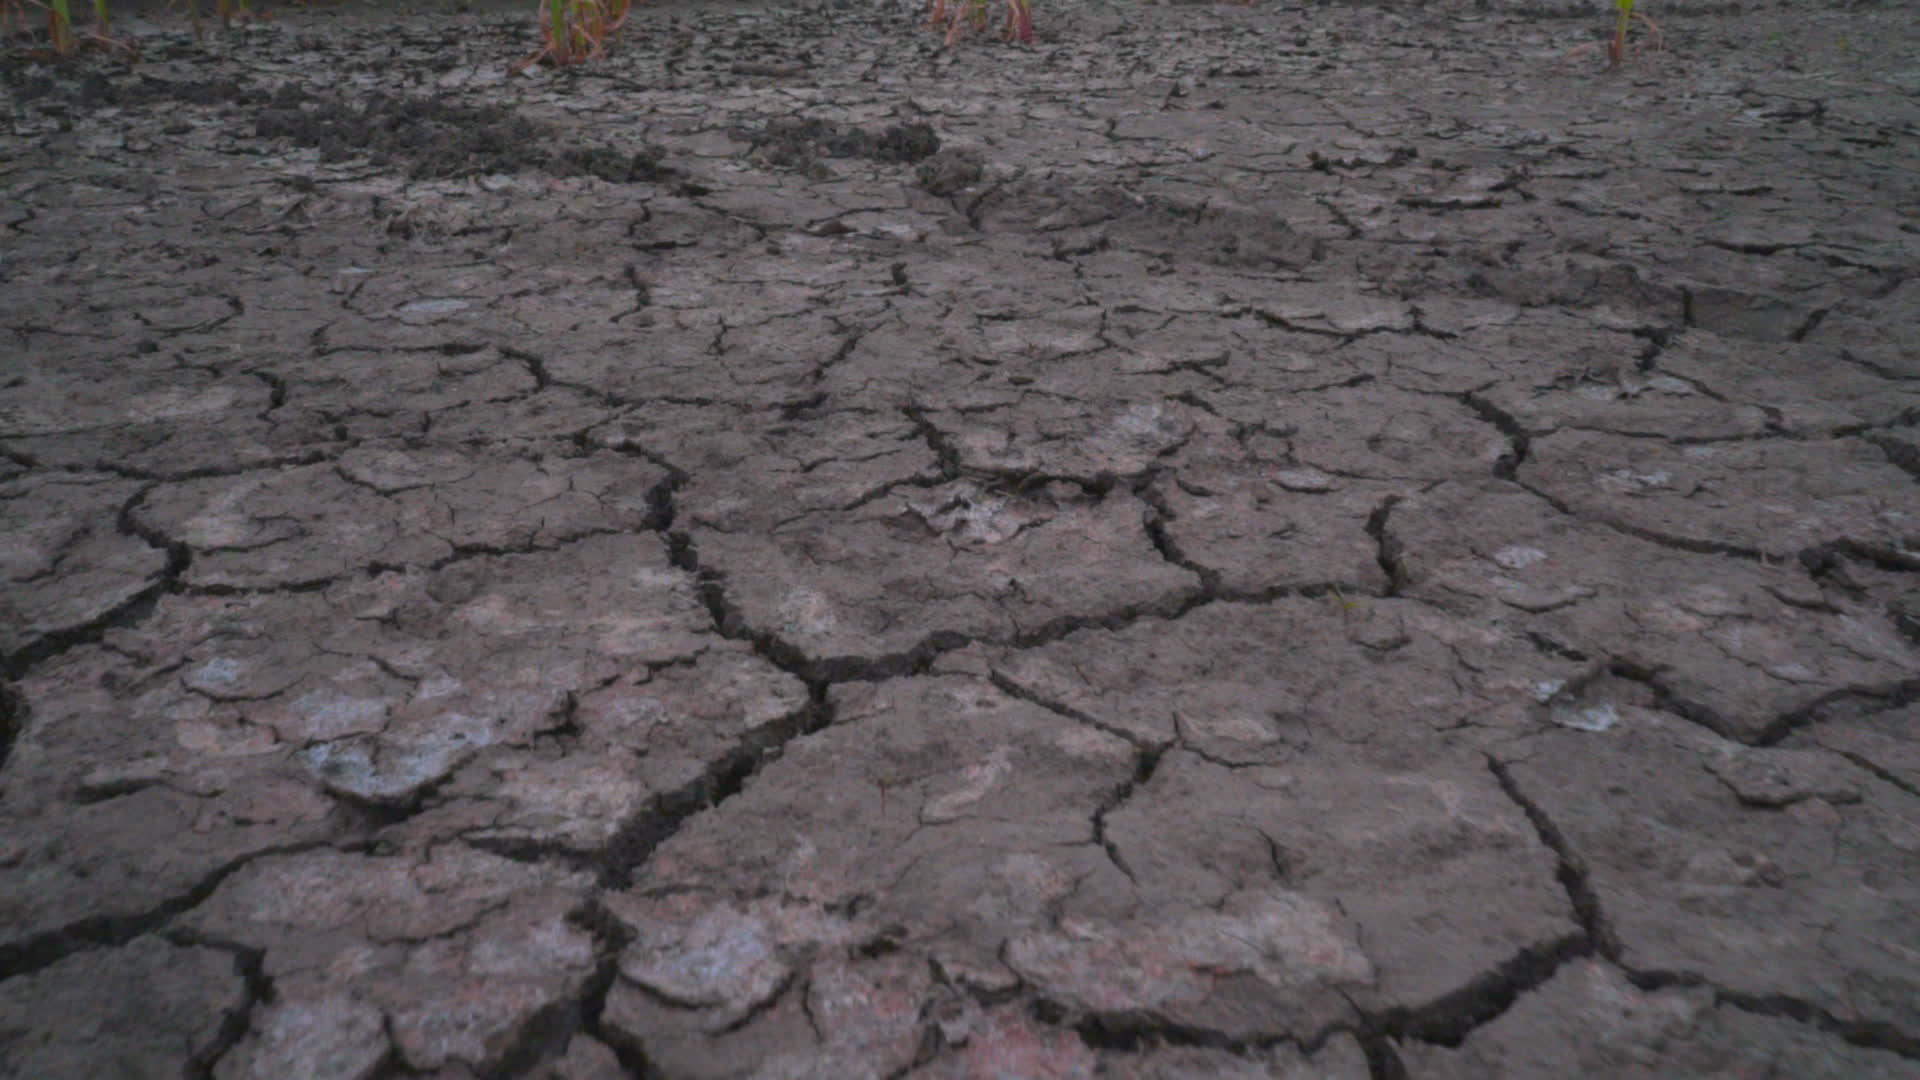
[1261, 542]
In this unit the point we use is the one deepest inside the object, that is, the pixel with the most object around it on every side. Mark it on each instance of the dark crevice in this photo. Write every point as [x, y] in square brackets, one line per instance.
[631, 1055]
[661, 507]
[13, 720]
[1678, 543]
[1866, 1034]
[1885, 774]
[1571, 870]
[943, 449]
[1018, 692]
[611, 937]
[249, 964]
[1783, 726]
[129, 612]
[1821, 558]
[205, 472]
[804, 407]
[1666, 700]
[1882, 370]
[1130, 1032]
[1550, 646]
[1163, 541]
[1811, 323]
[537, 367]
[636, 840]
[917, 658]
[1387, 549]
[540, 1037]
[1657, 339]
[1146, 760]
[1517, 438]
[533, 851]
[1382, 1062]
[1138, 1031]
[276, 388]
[1448, 1020]
[1902, 454]
[109, 931]
[1172, 605]
[278, 588]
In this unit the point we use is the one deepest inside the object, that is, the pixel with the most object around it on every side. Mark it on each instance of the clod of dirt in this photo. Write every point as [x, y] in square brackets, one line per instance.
[435, 140]
[438, 141]
[795, 143]
[950, 171]
[614, 166]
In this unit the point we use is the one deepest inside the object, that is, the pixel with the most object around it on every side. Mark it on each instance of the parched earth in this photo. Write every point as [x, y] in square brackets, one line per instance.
[1243, 542]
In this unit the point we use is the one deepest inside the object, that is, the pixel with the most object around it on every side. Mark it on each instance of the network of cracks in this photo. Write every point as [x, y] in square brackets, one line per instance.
[1264, 542]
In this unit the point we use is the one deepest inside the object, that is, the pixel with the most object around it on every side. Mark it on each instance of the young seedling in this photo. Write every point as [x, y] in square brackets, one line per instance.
[1617, 45]
[575, 31]
[226, 10]
[954, 18]
[61, 40]
[1339, 602]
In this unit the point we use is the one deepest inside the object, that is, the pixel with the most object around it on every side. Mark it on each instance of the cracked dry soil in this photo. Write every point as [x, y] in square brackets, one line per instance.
[1268, 542]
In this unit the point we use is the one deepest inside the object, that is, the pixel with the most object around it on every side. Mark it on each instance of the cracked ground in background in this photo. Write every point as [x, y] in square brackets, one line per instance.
[1268, 542]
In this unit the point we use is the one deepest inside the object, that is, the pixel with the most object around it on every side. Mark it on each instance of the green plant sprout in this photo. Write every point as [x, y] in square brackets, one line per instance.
[61, 40]
[574, 31]
[1617, 45]
[1341, 605]
[227, 10]
[955, 17]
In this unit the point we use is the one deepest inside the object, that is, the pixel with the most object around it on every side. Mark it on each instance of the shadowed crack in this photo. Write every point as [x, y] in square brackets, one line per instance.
[1867, 1034]
[1666, 540]
[611, 937]
[1382, 1062]
[1163, 541]
[204, 472]
[13, 718]
[249, 964]
[1018, 692]
[105, 931]
[1387, 548]
[1130, 1032]
[1784, 725]
[1571, 869]
[1145, 761]
[943, 449]
[1448, 1020]
[1517, 438]
[646, 830]
[1777, 729]
[1134, 1032]
[540, 1037]
[536, 366]
[820, 671]
[1904, 455]
[527, 849]
[129, 612]
[276, 388]
[1666, 700]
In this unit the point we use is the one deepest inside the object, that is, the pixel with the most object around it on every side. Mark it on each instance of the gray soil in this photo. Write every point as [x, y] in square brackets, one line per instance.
[1242, 542]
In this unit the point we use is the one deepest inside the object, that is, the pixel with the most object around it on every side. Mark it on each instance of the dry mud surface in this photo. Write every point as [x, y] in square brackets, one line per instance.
[1273, 542]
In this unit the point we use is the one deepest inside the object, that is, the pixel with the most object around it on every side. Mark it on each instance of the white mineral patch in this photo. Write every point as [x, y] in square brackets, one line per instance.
[1518, 557]
[1304, 479]
[1591, 718]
